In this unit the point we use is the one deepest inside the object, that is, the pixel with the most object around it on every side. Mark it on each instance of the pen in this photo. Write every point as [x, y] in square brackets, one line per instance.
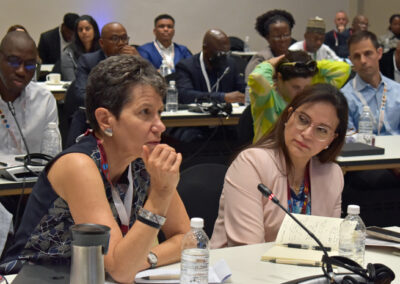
[301, 246]
[295, 262]
[163, 277]
[3, 164]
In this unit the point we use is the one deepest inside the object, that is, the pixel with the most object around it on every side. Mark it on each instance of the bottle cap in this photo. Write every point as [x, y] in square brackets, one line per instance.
[52, 125]
[366, 108]
[197, 223]
[353, 209]
[172, 83]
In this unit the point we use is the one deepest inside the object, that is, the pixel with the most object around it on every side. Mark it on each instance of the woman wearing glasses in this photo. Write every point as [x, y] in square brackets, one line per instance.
[86, 39]
[295, 160]
[274, 83]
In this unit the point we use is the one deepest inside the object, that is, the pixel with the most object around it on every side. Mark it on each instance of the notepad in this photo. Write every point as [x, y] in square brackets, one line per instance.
[326, 229]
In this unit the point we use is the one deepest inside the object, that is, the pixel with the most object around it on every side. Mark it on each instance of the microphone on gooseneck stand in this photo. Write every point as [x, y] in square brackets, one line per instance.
[12, 110]
[216, 85]
[375, 273]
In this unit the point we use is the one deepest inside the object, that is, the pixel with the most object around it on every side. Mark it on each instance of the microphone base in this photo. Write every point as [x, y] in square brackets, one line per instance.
[321, 279]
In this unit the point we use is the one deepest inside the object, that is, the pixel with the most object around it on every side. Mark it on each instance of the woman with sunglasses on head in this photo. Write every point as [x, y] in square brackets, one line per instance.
[86, 39]
[274, 83]
[295, 160]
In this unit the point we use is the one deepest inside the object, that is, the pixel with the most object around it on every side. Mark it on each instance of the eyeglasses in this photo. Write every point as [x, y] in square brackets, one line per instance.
[281, 37]
[309, 65]
[15, 62]
[320, 132]
[116, 39]
[222, 53]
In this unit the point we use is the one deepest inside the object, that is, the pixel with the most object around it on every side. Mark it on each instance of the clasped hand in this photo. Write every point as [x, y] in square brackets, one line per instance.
[162, 164]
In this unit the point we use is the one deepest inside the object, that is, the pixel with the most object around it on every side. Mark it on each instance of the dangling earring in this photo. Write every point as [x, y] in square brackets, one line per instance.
[108, 132]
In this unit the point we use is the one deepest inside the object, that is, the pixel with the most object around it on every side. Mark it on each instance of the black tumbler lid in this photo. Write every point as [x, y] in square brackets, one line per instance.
[89, 235]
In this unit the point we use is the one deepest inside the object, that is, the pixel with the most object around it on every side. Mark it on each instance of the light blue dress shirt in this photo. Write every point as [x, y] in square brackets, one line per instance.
[373, 97]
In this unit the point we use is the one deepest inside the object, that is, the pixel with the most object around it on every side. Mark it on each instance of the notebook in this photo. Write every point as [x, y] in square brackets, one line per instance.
[360, 149]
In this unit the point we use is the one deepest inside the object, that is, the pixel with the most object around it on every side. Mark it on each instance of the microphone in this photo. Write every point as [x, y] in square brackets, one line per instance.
[375, 272]
[216, 85]
[12, 110]
[268, 193]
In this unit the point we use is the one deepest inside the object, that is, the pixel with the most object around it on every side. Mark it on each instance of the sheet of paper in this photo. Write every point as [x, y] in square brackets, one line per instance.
[326, 229]
[218, 273]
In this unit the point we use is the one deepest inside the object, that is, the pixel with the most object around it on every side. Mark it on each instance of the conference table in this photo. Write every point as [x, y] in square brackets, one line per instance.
[247, 268]
[186, 118]
[58, 90]
[389, 160]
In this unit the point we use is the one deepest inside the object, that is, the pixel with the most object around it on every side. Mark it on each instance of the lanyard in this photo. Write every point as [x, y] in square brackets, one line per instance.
[123, 208]
[382, 107]
[313, 54]
[336, 38]
[168, 58]
[305, 191]
[204, 72]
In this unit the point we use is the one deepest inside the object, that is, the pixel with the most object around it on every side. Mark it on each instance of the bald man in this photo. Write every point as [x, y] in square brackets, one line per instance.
[336, 39]
[34, 106]
[210, 75]
[114, 40]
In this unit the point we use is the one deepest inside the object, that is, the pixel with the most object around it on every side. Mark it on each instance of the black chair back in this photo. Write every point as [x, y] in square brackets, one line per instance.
[200, 188]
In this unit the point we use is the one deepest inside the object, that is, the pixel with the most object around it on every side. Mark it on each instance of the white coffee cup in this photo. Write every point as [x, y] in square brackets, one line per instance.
[53, 78]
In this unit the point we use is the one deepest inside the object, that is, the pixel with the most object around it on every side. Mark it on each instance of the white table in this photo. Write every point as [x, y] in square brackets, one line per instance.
[58, 90]
[247, 268]
[389, 160]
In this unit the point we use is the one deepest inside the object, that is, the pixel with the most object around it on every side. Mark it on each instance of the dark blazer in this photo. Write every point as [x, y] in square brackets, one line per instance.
[85, 64]
[191, 83]
[341, 49]
[49, 46]
[386, 64]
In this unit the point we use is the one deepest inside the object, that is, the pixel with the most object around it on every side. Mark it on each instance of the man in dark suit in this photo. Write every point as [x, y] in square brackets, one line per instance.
[390, 63]
[114, 40]
[210, 74]
[52, 42]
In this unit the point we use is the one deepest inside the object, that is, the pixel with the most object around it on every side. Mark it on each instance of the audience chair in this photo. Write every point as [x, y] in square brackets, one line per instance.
[200, 188]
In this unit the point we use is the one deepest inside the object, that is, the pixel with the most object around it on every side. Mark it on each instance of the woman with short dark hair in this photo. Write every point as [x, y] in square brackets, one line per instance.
[118, 175]
[296, 161]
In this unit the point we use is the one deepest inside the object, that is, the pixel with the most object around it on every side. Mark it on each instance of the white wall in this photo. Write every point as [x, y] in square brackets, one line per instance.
[193, 17]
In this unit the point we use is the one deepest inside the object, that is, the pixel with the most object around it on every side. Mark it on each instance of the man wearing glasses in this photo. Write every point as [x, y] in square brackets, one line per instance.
[210, 75]
[114, 40]
[34, 106]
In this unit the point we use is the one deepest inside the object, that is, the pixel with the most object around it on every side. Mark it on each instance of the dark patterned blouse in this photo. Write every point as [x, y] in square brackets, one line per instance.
[44, 231]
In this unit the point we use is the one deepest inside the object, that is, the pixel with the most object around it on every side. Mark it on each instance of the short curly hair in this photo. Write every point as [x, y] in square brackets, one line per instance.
[271, 17]
[110, 82]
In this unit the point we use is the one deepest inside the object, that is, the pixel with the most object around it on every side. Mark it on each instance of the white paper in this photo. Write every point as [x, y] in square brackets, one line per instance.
[218, 273]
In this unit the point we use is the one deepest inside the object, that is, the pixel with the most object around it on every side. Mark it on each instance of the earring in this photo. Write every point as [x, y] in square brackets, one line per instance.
[326, 147]
[108, 132]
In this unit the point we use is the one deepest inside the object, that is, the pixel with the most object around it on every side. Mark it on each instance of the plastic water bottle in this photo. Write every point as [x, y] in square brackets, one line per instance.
[246, 47]
[352, 235]
[164, 68]
[51, 143]
[247, 96]
[365, 127]
[195, 254]
[172, 97]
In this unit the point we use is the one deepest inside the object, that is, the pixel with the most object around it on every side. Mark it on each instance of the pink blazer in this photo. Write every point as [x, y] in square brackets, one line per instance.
[246, 217]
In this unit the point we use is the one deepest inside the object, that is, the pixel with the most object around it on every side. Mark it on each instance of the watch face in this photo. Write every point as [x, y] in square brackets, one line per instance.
[152, 258]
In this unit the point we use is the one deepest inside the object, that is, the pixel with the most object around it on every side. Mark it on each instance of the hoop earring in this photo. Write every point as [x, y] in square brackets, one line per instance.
[108, 132]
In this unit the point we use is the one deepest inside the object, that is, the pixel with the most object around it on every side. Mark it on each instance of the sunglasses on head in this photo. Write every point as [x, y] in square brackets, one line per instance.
[309, 65]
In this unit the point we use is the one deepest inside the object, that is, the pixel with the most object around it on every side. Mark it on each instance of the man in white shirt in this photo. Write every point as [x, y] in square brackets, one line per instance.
[34, 107]
[313, 42]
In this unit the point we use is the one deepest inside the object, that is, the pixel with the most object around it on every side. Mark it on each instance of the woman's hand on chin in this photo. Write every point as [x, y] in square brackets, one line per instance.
[162, 164]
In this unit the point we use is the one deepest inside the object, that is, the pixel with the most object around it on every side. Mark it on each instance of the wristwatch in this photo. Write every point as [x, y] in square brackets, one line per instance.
[149, 218]
[152, 259]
